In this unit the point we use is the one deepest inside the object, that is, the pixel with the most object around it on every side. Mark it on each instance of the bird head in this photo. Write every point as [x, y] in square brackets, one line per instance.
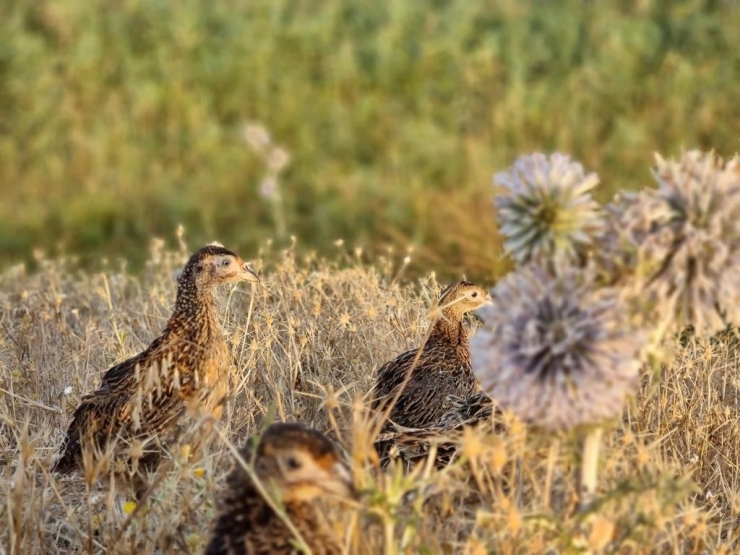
[462, 297]
[215, 265]
[301, 463]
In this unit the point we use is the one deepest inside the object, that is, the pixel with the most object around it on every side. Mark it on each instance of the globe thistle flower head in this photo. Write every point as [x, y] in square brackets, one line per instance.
[546, 211]
[636, 239]
[700, 281]
[678, 247]
[555, 350]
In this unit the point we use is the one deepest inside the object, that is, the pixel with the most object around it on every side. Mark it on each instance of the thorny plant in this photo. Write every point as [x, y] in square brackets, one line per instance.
[594, 296]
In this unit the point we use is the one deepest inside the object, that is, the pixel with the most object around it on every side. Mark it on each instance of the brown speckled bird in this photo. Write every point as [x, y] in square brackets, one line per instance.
[464, 412]
[410, 446]
[295, 466]
[442, 372]
[144, 402]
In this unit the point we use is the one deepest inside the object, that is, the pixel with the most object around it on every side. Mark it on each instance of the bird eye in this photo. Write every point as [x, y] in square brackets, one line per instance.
[293, 463]
[225, 262]
[475, 294]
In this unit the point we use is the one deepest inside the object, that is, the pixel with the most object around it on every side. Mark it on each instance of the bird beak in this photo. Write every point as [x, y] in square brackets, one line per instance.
[249, 274]
[341, 482]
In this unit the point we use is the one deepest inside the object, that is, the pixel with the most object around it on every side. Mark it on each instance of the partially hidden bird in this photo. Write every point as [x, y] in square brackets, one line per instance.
[143, 404]
[410, 446]
[421, 385]
[420, 392]
[294, 466]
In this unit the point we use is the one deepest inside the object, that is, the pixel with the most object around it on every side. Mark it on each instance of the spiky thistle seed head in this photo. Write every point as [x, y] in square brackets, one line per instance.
[678, 246]
[546, 211]
[636, 238]
[555, 350]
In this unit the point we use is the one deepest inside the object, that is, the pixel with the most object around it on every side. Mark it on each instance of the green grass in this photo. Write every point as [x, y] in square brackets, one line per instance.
[119, 120]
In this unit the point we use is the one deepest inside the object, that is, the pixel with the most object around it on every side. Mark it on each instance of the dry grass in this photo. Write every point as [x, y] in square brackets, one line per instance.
[307, 346]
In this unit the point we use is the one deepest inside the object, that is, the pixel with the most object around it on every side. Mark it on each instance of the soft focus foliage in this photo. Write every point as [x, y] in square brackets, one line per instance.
[307, 345]
[119, 120]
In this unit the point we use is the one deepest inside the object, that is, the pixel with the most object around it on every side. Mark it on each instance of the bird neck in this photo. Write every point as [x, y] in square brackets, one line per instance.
[194, 310]
[190, 299]
[449, 328]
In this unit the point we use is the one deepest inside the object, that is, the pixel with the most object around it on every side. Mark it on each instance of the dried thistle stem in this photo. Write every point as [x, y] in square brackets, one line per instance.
[589, 467]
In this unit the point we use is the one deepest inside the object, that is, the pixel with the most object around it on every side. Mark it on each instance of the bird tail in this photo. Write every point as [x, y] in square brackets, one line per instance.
[67, 462]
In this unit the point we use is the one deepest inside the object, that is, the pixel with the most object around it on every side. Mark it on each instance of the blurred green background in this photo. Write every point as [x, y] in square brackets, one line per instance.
[120, 119]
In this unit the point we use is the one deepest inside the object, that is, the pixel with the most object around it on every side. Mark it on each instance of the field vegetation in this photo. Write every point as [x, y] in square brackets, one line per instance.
[347, 147]
[121, 120]
[307, 345]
